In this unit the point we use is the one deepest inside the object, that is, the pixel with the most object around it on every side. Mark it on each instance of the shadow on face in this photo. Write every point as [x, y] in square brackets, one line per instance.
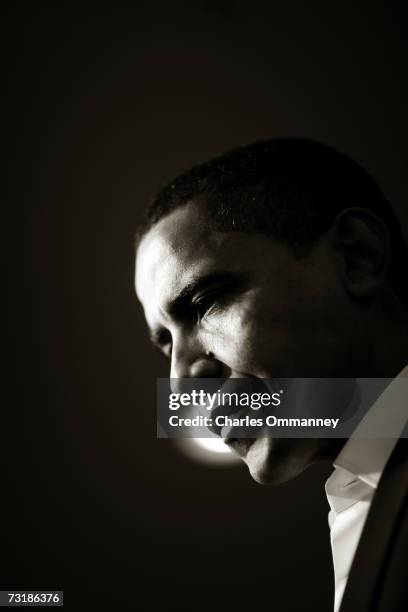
[237, 305]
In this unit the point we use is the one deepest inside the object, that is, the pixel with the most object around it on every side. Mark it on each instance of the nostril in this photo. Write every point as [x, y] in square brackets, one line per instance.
[205, 368]
[196, 383]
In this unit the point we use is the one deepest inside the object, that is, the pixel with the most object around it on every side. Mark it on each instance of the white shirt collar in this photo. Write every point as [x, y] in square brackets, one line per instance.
[358, 468]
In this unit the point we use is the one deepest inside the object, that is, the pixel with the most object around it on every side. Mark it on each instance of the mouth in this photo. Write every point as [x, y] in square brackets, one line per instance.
[239, 437]
[238, 426]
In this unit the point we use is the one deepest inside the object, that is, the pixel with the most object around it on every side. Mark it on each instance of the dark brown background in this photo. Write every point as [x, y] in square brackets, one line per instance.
[109, 104]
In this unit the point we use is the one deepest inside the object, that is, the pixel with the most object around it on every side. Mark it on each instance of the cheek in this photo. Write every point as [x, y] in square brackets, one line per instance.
[239, 338]
[267, 338]
[223, 335]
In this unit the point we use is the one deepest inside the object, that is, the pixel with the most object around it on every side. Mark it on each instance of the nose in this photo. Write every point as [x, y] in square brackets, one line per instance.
[190, 359]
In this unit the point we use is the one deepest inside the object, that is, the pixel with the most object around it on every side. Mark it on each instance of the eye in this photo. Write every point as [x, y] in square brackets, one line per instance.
[205, 304]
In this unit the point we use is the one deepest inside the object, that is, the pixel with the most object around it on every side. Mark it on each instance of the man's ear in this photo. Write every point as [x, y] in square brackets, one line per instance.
[362, 243]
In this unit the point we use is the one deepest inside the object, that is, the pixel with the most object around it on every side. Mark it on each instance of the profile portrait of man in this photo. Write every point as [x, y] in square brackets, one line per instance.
[284, 259]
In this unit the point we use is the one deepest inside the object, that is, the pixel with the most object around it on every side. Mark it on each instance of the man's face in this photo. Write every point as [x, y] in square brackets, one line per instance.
[236, 305]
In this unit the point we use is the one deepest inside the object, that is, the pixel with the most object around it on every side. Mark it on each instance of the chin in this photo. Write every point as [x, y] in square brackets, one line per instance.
[275, 461]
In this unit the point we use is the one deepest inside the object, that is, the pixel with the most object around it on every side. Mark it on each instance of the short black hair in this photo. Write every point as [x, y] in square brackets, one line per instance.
[291, 189]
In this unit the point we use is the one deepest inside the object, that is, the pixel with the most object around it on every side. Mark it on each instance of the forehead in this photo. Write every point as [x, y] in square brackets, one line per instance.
[173, 252]
[182, 236]
[181, 247]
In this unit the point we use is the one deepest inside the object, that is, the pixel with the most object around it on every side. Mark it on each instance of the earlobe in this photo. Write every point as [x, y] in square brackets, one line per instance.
[362, 245]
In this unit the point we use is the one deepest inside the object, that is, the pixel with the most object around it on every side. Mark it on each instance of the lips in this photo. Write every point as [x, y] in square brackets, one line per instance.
[247, 385]
[241, 437]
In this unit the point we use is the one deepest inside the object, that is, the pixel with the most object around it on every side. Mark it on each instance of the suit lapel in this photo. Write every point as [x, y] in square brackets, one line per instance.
[367, 570]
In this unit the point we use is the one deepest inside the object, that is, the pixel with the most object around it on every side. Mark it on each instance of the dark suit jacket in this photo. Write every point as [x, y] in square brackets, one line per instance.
[378, 579]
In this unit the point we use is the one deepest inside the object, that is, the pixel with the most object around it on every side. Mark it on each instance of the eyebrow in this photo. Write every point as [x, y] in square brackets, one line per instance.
[180, 304]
